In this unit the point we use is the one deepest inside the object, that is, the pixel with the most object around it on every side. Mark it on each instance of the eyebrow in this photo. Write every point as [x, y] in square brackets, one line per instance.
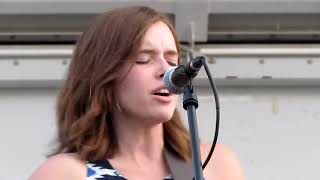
[151, 51]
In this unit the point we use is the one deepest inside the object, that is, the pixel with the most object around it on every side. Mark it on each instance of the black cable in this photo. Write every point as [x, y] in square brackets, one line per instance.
[216, 98]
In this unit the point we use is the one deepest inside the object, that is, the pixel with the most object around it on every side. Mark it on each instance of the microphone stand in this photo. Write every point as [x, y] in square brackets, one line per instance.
[190, 103]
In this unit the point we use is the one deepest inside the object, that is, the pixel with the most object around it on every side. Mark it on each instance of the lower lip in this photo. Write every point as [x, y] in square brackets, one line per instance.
[163, 98]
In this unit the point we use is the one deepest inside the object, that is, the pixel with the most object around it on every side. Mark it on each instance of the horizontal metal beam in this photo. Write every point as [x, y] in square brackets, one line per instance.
[74, 16]
[264, 6]
[261, 50]
[36, 66]
[76, 6]
[265, 32]
[214, 6]
[36, 51]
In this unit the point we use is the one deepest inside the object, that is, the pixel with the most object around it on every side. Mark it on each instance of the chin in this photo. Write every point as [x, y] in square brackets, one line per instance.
[163, 117]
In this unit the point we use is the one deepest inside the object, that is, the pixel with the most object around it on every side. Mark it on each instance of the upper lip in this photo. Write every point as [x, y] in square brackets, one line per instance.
[160, 87]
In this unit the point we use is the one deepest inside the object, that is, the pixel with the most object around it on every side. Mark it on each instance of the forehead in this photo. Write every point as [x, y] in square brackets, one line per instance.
[158, 35]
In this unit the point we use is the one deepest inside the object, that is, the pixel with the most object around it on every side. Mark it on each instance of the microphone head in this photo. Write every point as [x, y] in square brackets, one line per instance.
[167, 78]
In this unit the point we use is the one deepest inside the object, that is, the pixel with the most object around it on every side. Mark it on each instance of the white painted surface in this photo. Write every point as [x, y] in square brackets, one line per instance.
[26, 130]
[274, 131]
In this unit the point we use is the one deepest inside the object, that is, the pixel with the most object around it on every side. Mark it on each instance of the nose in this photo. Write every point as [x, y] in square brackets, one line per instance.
[163, 67]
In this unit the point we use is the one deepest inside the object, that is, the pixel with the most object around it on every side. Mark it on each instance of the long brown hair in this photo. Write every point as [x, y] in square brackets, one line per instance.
[86, 101]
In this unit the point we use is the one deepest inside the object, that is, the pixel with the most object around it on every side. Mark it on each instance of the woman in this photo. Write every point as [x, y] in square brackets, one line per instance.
[115, 117]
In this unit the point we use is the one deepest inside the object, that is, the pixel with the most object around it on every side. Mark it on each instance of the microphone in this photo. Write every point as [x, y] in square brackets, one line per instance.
[177, 78]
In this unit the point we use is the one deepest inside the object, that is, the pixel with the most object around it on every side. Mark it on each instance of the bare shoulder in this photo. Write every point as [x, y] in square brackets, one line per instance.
[62, 167]
[224, 165]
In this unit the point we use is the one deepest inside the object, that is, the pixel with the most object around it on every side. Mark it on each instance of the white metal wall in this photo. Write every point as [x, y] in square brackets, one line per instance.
[274, 131]
[26, 129]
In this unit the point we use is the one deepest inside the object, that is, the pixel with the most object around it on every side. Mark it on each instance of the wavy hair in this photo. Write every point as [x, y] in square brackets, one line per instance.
[86, 101]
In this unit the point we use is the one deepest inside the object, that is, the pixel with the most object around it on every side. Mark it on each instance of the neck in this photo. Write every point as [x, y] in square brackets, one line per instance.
[138, 142]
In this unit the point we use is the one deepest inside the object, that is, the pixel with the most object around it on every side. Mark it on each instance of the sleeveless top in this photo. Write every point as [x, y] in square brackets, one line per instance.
[103, 170]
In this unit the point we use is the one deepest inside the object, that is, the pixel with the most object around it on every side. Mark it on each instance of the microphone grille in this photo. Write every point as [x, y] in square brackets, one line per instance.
[167, 78]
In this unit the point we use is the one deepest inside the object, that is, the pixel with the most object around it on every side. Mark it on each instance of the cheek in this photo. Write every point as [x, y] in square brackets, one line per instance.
[177, 102]
[131, 89]
[125, 90]
[134, 85]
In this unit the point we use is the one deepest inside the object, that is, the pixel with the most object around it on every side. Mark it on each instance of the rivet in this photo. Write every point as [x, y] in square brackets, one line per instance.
[262, 61]
[16, 62]
[64, 62]
[310, 61]
[211, 61]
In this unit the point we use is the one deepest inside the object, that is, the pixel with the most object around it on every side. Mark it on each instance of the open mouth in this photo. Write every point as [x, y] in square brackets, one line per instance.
[162, 92]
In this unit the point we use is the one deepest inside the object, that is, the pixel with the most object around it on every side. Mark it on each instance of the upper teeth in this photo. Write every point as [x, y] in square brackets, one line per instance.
[162, 91]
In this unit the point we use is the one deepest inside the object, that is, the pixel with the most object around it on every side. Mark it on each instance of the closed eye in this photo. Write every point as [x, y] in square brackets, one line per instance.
[172, 63]
[142, 62]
